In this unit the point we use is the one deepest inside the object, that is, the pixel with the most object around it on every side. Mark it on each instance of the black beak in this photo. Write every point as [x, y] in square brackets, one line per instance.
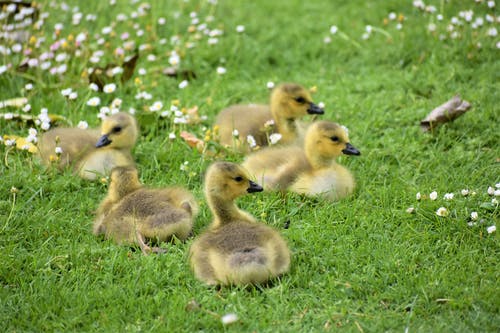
[350, 150]
[103, 141]
[254, 187]
[314, 109]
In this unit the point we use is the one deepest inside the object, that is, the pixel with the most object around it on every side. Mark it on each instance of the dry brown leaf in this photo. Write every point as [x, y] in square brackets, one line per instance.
[444, 113]
[192, 140]
[194, 117]
[129, 67]
[103, 75]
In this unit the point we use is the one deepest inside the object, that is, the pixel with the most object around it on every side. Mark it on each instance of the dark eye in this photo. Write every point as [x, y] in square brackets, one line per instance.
[300, 100]
[116, 129]
[238, 179]
[334, 138]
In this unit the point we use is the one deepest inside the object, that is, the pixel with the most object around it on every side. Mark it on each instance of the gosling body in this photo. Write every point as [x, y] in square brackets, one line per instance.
[289, 102]
[134, 215]
[312, 169]
[236, 249]
[91, 153]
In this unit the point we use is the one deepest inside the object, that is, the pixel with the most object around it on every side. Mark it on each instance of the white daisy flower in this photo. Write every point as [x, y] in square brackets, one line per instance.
[221, 70]
[94, 101]
[270, 85]
[106, 30]
[157, 106]
[82, 124]
[433, 196]
[183, 84]
[334, 29]
[491, 229]
[109, 88]
[269, 123]
[61, 57]
[184, 166]
[474, 216]
[180, 120]
[448, 196]
[172, 136]
[66, 92]
[274, 138]
[465, 192]
[45, 125]
[93, 87]
[58, 150]
[236, 133]
[174, 59]
[229, 318]
[491, 190]
[240, 28]
[442, 211]
[418, 196]
[251, 141]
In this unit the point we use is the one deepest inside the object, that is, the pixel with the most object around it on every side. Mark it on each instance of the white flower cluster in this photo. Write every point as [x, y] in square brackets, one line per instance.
[474, 215]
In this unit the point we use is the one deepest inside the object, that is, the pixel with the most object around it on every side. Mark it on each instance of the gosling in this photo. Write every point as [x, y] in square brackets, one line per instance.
[289, 102]
[236, 249]
[134, 215]
[91, 153]
[312, 169]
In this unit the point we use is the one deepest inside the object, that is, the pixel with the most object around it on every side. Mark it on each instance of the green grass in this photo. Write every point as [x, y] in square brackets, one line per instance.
[360, 264]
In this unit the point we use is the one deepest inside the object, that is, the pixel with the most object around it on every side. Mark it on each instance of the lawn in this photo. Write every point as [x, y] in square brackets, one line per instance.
[380, 260]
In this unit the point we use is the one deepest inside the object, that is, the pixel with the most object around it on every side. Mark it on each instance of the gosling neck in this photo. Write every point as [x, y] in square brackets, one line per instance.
[318, 161]
[287, 127]
[224, 211]
[119, 191]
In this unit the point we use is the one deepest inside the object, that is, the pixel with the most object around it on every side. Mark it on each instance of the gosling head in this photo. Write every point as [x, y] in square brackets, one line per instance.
[118, 131]
[228, 181]
[328, 140]
[290, 101]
